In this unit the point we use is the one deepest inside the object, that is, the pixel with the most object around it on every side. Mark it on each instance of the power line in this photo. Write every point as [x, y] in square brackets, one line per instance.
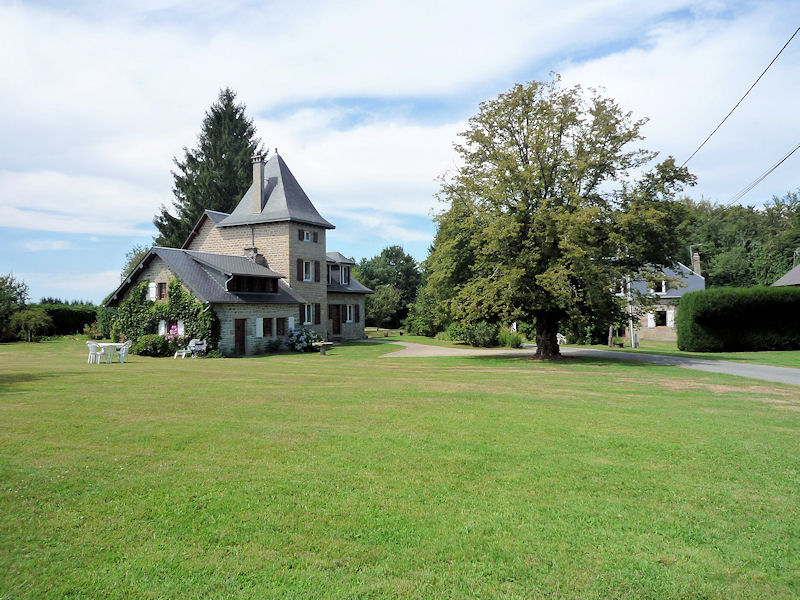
[760, 178]
[742, 98]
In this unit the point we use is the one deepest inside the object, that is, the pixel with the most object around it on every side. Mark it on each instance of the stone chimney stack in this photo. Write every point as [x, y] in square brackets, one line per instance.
[696, 262]
[258, 182]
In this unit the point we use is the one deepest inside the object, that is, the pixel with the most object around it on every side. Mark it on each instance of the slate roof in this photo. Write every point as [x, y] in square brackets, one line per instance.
[338, 257]
[791, 278]
[355, 287]
[283, 200]
[231, 264]
[690, 281]
[205, 274]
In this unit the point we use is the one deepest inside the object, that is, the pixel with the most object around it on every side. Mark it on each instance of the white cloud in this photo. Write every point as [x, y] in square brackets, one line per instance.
[46, 245]
[53, 201]
[690, 75]
[70, 284]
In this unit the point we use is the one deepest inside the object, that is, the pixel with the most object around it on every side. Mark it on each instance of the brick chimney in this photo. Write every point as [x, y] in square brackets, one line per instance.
[696, 262]
[258, 182]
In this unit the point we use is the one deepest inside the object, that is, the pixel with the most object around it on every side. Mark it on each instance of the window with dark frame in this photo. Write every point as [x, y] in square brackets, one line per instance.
[161, 291]
[660, 317]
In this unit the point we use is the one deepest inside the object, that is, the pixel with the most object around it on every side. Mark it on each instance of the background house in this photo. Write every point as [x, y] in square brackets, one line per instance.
[264, 268]
[658, 323]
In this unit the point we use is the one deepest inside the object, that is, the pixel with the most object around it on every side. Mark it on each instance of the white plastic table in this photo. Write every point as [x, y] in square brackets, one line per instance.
[109, 348]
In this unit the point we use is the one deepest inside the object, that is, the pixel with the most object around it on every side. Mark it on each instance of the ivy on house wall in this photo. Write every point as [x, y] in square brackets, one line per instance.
[138, 316]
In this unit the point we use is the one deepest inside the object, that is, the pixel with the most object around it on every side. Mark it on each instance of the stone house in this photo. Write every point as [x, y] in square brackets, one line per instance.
[264, 269]
[659, 322]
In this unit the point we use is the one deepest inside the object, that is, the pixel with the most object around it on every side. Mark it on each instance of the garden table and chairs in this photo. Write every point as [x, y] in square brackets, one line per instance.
[107, 351]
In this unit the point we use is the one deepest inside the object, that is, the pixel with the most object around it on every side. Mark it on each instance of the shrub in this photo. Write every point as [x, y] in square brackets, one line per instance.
[302, 340]
[731, 319]
[105, 320]
[443, 336]
[481, 334]
[274, 345]
[92, 331]
[152, 345]
[455, 332]
[214, 353]
[509, 338]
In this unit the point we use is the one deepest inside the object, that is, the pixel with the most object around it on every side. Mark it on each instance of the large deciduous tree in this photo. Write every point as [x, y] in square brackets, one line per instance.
[13, 297]
[546, 216]
[214, 175]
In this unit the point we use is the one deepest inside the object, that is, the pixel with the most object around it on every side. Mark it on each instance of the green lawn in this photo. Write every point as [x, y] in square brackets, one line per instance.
[790, 358]
[350, 476]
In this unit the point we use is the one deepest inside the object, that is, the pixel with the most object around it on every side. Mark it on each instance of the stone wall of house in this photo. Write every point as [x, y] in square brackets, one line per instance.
[314, 292]
[661, 333]
[228, 313]
[157, 271]
[271, 239]
[350, 331]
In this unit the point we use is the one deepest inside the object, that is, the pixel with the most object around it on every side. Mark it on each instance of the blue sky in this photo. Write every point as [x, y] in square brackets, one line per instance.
[363, 100]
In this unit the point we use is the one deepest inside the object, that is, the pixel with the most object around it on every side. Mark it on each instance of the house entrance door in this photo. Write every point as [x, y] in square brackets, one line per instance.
[334, 312]
[238, 336]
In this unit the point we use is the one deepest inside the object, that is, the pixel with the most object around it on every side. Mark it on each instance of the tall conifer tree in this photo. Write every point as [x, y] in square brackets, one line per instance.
[215, 174]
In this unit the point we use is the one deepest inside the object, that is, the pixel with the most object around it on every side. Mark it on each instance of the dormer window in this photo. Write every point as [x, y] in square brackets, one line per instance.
[345, 275]
[259, 285]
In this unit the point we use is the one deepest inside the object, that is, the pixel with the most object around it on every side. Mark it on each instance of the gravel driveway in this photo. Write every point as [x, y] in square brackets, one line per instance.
[742, 369]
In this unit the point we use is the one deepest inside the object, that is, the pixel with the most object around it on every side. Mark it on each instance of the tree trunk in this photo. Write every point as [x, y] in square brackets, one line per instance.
[546, 341]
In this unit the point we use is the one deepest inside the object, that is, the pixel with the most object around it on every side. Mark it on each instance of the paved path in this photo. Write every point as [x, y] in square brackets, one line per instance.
[742, 369]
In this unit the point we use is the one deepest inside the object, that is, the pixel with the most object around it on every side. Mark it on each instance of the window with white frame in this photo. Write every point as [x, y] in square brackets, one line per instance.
[306, 236]
[308, 270]
[345, 280]
[350, 312]
[308, 316]
[330, 274]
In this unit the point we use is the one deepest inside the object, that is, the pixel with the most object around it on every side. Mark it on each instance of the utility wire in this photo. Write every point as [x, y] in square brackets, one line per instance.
[761, 177]
[742, 98]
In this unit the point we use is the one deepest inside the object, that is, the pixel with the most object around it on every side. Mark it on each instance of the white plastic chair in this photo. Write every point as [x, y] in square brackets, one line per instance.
[95, 352]
[122, 351]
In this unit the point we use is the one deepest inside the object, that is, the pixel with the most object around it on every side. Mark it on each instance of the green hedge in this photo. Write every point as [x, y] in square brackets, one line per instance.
[68, 318]
[732, 319]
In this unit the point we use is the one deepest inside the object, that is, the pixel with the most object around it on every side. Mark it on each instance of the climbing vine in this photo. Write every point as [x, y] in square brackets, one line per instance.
[138, 316]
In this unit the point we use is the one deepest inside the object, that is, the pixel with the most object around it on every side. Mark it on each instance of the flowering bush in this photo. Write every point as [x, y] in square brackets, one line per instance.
[176, 340]
[302, 340]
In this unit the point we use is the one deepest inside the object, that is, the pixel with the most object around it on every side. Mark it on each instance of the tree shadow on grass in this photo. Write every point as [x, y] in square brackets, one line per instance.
[10, 381]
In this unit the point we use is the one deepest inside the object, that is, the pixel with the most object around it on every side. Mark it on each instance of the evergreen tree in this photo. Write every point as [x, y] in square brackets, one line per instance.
[214, 175]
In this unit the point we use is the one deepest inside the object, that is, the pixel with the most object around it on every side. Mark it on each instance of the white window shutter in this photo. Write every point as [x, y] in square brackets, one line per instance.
[151, 291]
[671, 318]
[162, 327]
[259, 327]
[291, 322]
[180, 327]
[651, 320]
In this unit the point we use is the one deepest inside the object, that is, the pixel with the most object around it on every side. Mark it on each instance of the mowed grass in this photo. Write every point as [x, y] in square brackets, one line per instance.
[775, 358]
[354, 476]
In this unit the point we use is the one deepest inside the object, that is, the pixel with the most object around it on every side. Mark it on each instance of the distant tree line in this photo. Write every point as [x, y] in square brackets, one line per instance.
[742, 245]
